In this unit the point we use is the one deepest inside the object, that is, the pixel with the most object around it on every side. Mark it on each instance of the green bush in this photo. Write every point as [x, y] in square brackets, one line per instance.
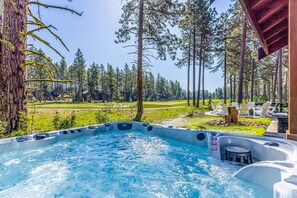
[18, 133]
[65, 123]
[102, 116]
[209, 104]
[2, 128]
[23, 118]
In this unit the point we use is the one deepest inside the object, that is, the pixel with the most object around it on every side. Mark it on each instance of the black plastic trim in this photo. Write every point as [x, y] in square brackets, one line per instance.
[150, 128]
[40, 136]
[200, 136]
[145, 124]
[22, 138]
[107, 124]
[125, 126]
[275, 144]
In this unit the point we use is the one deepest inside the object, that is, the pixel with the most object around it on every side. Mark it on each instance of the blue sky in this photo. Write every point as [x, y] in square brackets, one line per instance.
[94, 34]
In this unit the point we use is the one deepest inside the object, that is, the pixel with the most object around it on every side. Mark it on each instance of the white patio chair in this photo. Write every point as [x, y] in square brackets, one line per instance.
[223, 110]
[272, 107]
[214, 108]
[243, 109]
[235, 104]
[264, 110]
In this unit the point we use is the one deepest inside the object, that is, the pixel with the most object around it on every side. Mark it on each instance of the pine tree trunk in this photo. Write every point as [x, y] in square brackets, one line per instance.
[231, 90]
[246, 94]
[257, 88]
[268, 90]
[275, 82]
[189, 70]
[253, 81]
[234, 87]
[242, 56]
[199, 73]
[14, 74]
[225, 76]
[265, 89]
[2, 69]
[194, 66]
[286, 87]
[139, 63]
[280, 76]
[203, 81]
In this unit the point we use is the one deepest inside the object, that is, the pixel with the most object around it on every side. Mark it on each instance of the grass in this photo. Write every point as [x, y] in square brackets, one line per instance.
[41, 115]
[71, 105]
[118, 105]
[42, 120]
[201, 123]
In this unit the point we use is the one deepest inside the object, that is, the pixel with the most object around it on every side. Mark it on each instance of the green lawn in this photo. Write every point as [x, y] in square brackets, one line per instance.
[41, 120]
[118, 105]
[71, 105]
[251, 129]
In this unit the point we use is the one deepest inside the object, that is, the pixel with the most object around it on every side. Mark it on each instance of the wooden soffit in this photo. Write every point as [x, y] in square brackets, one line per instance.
[269, 19]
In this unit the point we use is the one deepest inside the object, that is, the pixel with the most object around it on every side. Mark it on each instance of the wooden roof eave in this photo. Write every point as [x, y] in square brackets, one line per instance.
[251, 18]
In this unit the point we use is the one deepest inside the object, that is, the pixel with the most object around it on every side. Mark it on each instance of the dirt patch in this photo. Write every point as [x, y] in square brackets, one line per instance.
[244, 123]
[176, 122]
[195, 115]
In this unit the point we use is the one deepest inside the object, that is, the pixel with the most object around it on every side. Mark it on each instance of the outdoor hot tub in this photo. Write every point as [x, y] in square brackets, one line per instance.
[133, 159]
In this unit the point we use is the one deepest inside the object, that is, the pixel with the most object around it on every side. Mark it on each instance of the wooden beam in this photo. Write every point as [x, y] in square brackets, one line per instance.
[276, 29]
[259, 4]
[292, 132]
[271, 9]
[252, 19]
[275, 20]
[277, 37]
[273, 47]
[278, 45]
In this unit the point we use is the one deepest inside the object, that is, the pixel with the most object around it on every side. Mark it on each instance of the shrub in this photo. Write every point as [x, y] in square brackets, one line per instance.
[209, 104]
[23, 118]
[102, 116]
[56, 120]
[2, 128]
[191, 113]
[18, 133]
[65, 123]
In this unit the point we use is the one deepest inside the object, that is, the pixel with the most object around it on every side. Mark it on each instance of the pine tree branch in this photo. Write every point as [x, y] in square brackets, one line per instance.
[49, 80]
[43, 26]
[53, 6]
[35, 37]
[5, 42]
[40, 65]
[42, 56]
[14, 7]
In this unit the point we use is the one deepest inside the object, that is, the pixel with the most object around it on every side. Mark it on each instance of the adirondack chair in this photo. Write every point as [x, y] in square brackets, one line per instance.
[244, 109]
[235, 104]
[263, 112]
[224, 109]
[214, 108]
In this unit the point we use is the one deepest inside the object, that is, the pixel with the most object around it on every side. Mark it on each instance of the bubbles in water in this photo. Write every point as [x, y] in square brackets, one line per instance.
[118, 164]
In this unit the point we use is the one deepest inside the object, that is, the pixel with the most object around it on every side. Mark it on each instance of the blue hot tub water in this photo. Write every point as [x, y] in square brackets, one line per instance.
[120, 164]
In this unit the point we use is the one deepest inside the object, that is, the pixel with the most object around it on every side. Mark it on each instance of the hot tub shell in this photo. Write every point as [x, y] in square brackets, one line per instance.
[275, 167]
